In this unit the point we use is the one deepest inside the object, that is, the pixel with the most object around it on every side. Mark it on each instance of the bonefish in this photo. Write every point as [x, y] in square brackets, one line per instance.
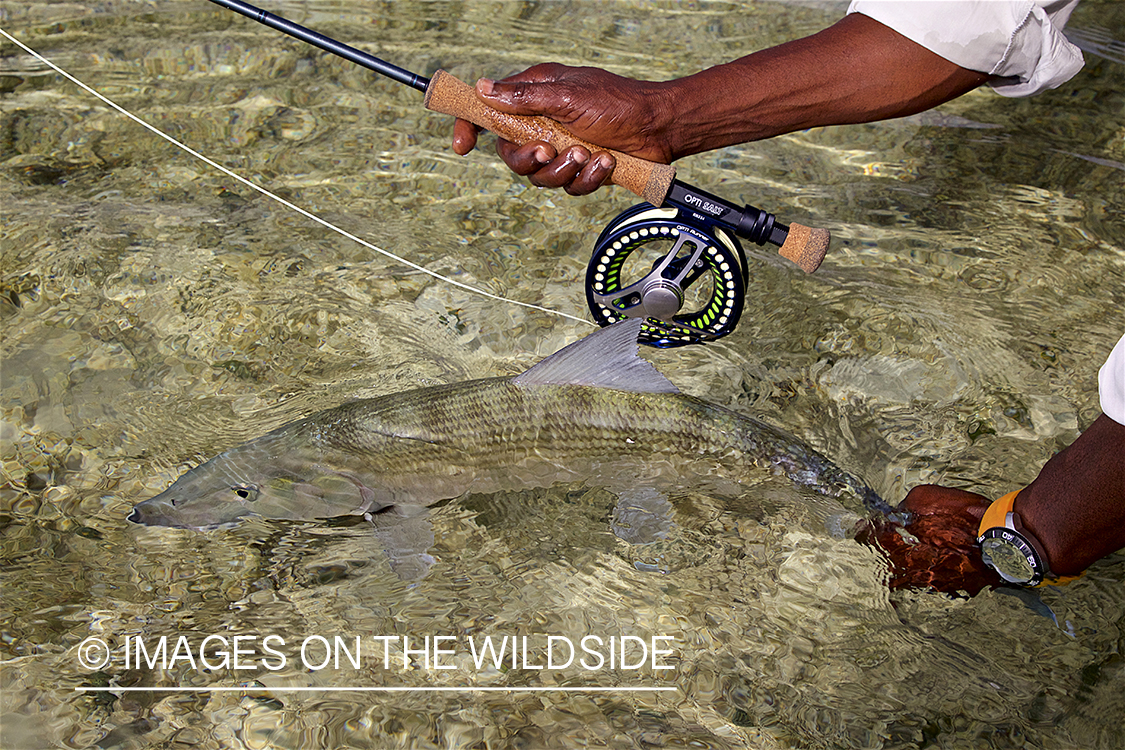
[593, 411]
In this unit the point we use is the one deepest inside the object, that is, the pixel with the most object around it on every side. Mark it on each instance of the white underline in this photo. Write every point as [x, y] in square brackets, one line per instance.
[466, 689]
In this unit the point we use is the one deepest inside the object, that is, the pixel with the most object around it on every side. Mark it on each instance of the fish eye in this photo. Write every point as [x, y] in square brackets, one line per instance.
[246, 493]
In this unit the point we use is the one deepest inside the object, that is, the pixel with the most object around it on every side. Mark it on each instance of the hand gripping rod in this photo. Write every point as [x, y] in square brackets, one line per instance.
[653, 182]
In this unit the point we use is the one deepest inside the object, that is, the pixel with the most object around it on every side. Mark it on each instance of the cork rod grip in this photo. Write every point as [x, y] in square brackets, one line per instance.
[805, 246]
[450, 96]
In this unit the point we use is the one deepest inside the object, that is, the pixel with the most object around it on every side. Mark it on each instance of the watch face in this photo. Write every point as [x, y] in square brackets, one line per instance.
[1011, 556]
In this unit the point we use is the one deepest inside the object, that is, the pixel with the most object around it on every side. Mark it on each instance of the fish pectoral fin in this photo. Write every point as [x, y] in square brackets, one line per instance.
[406, 540]
[408, 511]
[642, 515]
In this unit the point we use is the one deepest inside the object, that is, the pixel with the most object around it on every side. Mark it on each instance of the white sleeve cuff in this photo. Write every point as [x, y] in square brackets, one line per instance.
[1020, 40]
[1111, 384]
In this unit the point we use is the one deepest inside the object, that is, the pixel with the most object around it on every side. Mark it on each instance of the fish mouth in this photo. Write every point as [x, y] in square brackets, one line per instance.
[147, 516]
[149, 513]
[154, 514]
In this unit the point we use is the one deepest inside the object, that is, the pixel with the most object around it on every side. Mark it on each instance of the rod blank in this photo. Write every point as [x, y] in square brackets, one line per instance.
[413, 80]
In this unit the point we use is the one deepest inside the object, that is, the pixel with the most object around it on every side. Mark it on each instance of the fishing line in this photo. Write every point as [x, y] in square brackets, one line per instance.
[303, 212]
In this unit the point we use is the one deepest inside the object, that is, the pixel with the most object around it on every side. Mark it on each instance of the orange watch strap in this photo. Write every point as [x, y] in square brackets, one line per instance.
[997, 516]
[997, 513]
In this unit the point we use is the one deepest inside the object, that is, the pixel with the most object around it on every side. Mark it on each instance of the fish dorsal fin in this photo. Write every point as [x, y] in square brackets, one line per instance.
[607, 358]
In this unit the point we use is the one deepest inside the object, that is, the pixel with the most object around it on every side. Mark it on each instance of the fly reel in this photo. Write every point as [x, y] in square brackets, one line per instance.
[679, 263]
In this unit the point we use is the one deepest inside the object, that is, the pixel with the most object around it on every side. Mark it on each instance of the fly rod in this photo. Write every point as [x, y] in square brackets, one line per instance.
[703, 229]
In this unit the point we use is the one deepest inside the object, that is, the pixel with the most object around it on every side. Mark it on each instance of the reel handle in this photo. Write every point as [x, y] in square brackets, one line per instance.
[450, 96]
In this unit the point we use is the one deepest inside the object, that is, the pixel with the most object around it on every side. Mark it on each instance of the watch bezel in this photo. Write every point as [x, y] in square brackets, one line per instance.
[1022, 545]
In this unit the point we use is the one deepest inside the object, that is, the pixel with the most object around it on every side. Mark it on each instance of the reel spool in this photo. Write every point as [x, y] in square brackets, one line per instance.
[682, 263]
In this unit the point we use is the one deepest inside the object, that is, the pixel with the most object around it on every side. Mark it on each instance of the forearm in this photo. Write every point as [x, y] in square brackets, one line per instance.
[1076, 506]
[855, 71]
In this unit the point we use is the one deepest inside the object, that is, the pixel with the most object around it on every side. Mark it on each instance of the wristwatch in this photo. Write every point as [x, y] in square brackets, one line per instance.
[1009, 548]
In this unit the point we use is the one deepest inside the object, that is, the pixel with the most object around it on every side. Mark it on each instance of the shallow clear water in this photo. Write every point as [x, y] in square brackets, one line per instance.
[155, 312]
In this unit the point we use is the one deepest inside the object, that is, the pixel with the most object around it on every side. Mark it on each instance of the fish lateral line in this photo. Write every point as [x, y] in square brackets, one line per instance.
[425, 445]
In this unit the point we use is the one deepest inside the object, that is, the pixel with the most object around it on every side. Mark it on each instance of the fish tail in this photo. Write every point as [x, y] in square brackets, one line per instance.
[874, 502]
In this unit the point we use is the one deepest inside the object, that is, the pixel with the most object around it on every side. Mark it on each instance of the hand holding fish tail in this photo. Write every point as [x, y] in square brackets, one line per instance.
[937, 548]
[1072, 515]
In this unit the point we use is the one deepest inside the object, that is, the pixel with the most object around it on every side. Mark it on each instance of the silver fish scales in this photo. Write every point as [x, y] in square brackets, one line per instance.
[593, 411]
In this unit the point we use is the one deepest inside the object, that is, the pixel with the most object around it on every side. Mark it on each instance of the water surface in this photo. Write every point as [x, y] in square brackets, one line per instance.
[155, 312]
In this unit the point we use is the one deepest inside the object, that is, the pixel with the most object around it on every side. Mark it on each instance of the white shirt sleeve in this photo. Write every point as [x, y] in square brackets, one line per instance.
[1111, 384]
[1020, 40]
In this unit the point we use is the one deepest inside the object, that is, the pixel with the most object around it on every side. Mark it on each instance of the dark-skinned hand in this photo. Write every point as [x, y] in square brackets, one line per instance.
[1075, 508]
[594, 105]
[942, 551]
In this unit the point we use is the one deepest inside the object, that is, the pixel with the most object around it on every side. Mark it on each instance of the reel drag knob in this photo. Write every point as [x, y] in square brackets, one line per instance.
[662, 299]
[654, 262]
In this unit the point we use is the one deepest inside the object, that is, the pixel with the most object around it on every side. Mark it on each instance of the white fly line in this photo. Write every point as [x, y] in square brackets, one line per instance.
[254, 186]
